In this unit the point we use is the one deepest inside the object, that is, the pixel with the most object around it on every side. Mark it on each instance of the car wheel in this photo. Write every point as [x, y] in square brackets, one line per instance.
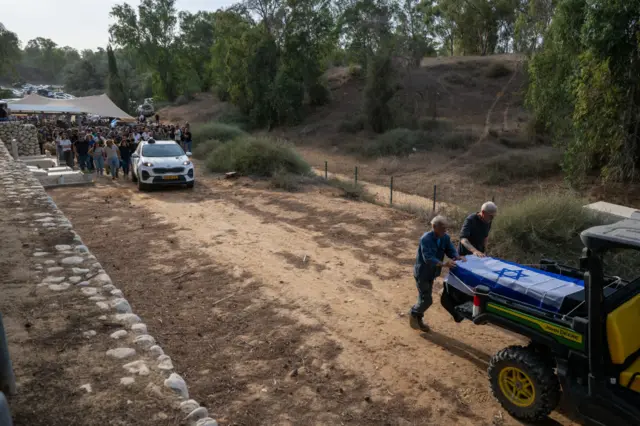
[191, 184]
[142, 186]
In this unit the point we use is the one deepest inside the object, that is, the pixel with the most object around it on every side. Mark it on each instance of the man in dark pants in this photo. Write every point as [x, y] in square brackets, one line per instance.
[474, 235]
[429, 262]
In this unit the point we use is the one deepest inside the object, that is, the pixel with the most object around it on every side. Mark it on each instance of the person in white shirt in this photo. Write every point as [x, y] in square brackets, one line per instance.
[145, 135]
[66, 148]
[178, 137]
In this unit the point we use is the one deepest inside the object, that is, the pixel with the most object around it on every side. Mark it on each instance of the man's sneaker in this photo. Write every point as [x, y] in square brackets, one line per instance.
[418, 324]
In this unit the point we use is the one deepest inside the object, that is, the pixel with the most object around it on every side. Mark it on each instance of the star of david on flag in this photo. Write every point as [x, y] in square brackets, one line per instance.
[515, 274]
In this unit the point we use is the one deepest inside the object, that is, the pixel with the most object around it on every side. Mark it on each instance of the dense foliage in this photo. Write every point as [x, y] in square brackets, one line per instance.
[585, 86]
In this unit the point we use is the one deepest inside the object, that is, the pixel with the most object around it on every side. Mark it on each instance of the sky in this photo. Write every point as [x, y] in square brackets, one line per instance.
[82, 24]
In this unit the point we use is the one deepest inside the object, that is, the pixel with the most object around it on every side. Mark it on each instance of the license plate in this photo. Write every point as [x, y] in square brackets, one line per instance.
[170, 177]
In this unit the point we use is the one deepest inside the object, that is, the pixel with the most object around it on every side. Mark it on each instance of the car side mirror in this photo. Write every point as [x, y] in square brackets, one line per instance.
[189, 154]
[135, 156]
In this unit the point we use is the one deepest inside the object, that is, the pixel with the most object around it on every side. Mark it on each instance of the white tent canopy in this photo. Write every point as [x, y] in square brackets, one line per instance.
[98, 105]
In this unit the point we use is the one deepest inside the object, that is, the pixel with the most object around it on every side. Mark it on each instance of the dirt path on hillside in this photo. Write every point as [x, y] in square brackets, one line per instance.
[289, 309]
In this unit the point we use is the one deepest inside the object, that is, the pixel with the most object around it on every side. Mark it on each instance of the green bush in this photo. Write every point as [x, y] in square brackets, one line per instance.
[216, 130]
[498, 70]
[519, 165]
[352, 125]
[202, 149]
[234, 117]
[281, 179]
[256, 157]
[351, 190]
[396, 142]
[541, 226]
[355, 71]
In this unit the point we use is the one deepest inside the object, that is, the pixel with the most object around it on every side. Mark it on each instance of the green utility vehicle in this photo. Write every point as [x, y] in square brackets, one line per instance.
[588, 350]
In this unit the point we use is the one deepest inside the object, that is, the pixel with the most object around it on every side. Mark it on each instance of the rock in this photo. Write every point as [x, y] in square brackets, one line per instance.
[127, 381]
[89, 333]
[207, 421]
[40, 254]
[103, 305]
[89, 291]
[177, 384]
[72, 260]
[100, 280]
[188, 406]
[97, 298]
[145, 341]
[108, 287]
[164, 363]
[197, 414]
[59, 287]
[53, 280]
[137, 367]
[83, 283]
[81, 248]
[118, 334]
[49, 262]
[156, 351]
[121, 353]
[75, 280]
[63, 247]
[116, 293]
[86, 388]
[102, 318]
[121, 306]
[79, 271]
[127, 319]
[160, 416]
[139, 328]
[55, 269]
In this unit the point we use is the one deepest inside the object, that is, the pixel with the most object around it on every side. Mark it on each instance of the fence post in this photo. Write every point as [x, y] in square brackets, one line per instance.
[326, 170]
[391, 192]
[356, 175]
[434, 198]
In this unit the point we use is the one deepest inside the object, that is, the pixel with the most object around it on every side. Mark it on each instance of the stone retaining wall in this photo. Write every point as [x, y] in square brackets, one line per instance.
[65, 267]
[25, 134]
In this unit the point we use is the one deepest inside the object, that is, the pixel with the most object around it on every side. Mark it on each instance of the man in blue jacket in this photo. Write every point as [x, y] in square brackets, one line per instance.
[429, 262]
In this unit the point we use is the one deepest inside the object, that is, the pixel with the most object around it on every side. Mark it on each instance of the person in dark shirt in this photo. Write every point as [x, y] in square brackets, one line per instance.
[474, 235]
[81, 149]
[429, 262]
[187, 140]
[125, 156]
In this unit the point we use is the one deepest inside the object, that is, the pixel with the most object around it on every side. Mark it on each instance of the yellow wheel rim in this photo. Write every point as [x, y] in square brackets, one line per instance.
[517, 386]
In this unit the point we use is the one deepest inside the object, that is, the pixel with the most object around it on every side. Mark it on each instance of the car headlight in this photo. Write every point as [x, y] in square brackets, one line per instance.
[147, 164]
[186, 163]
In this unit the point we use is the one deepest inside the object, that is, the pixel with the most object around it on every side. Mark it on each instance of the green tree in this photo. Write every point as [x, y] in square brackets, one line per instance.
[9, 50]
[379, 91]
[414, 30]
[197, 32]
[115, 86]
[151, 33]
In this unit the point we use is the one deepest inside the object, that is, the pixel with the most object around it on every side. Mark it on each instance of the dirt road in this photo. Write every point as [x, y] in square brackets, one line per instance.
[288, 309]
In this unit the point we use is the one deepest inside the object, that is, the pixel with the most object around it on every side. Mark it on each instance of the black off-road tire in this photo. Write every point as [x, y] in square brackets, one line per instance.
[191, 184]
[134, 178]
[142, 186]
[539, 370]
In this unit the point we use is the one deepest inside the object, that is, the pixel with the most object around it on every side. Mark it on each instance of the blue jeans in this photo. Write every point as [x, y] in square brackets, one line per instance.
[187, 146]
[83, 162]
[125, 166]
[114, 165]
[425, 288]
[98, 162]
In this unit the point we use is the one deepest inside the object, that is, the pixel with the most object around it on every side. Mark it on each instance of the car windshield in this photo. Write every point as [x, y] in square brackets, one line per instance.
[162, 150]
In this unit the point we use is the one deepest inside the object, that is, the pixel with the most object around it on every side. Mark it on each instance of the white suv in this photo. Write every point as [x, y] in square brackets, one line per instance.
[161, 163]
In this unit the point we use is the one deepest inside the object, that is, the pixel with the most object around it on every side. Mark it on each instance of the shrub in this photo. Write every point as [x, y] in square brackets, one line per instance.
[378, 92]
[396, 142]
[202, 149]
[235, 117]
[287, 97]
[318, 94]
[497, 70]
[355, 71]
[352, 125]
[541, 226]
[281, 179]
[216, 130]
[457, 140]
[352, 190]
[256, 157]
[181, 100]
[518, 165]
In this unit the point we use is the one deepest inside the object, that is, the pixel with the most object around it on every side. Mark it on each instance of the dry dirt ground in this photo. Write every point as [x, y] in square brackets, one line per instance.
[288, 309]
[51, 357]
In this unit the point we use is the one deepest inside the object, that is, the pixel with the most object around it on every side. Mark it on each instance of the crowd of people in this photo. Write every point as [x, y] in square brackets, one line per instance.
[105, 147]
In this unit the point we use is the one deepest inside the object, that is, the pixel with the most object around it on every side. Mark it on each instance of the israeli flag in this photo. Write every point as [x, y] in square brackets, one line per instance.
[114, 122]
[527, 285]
